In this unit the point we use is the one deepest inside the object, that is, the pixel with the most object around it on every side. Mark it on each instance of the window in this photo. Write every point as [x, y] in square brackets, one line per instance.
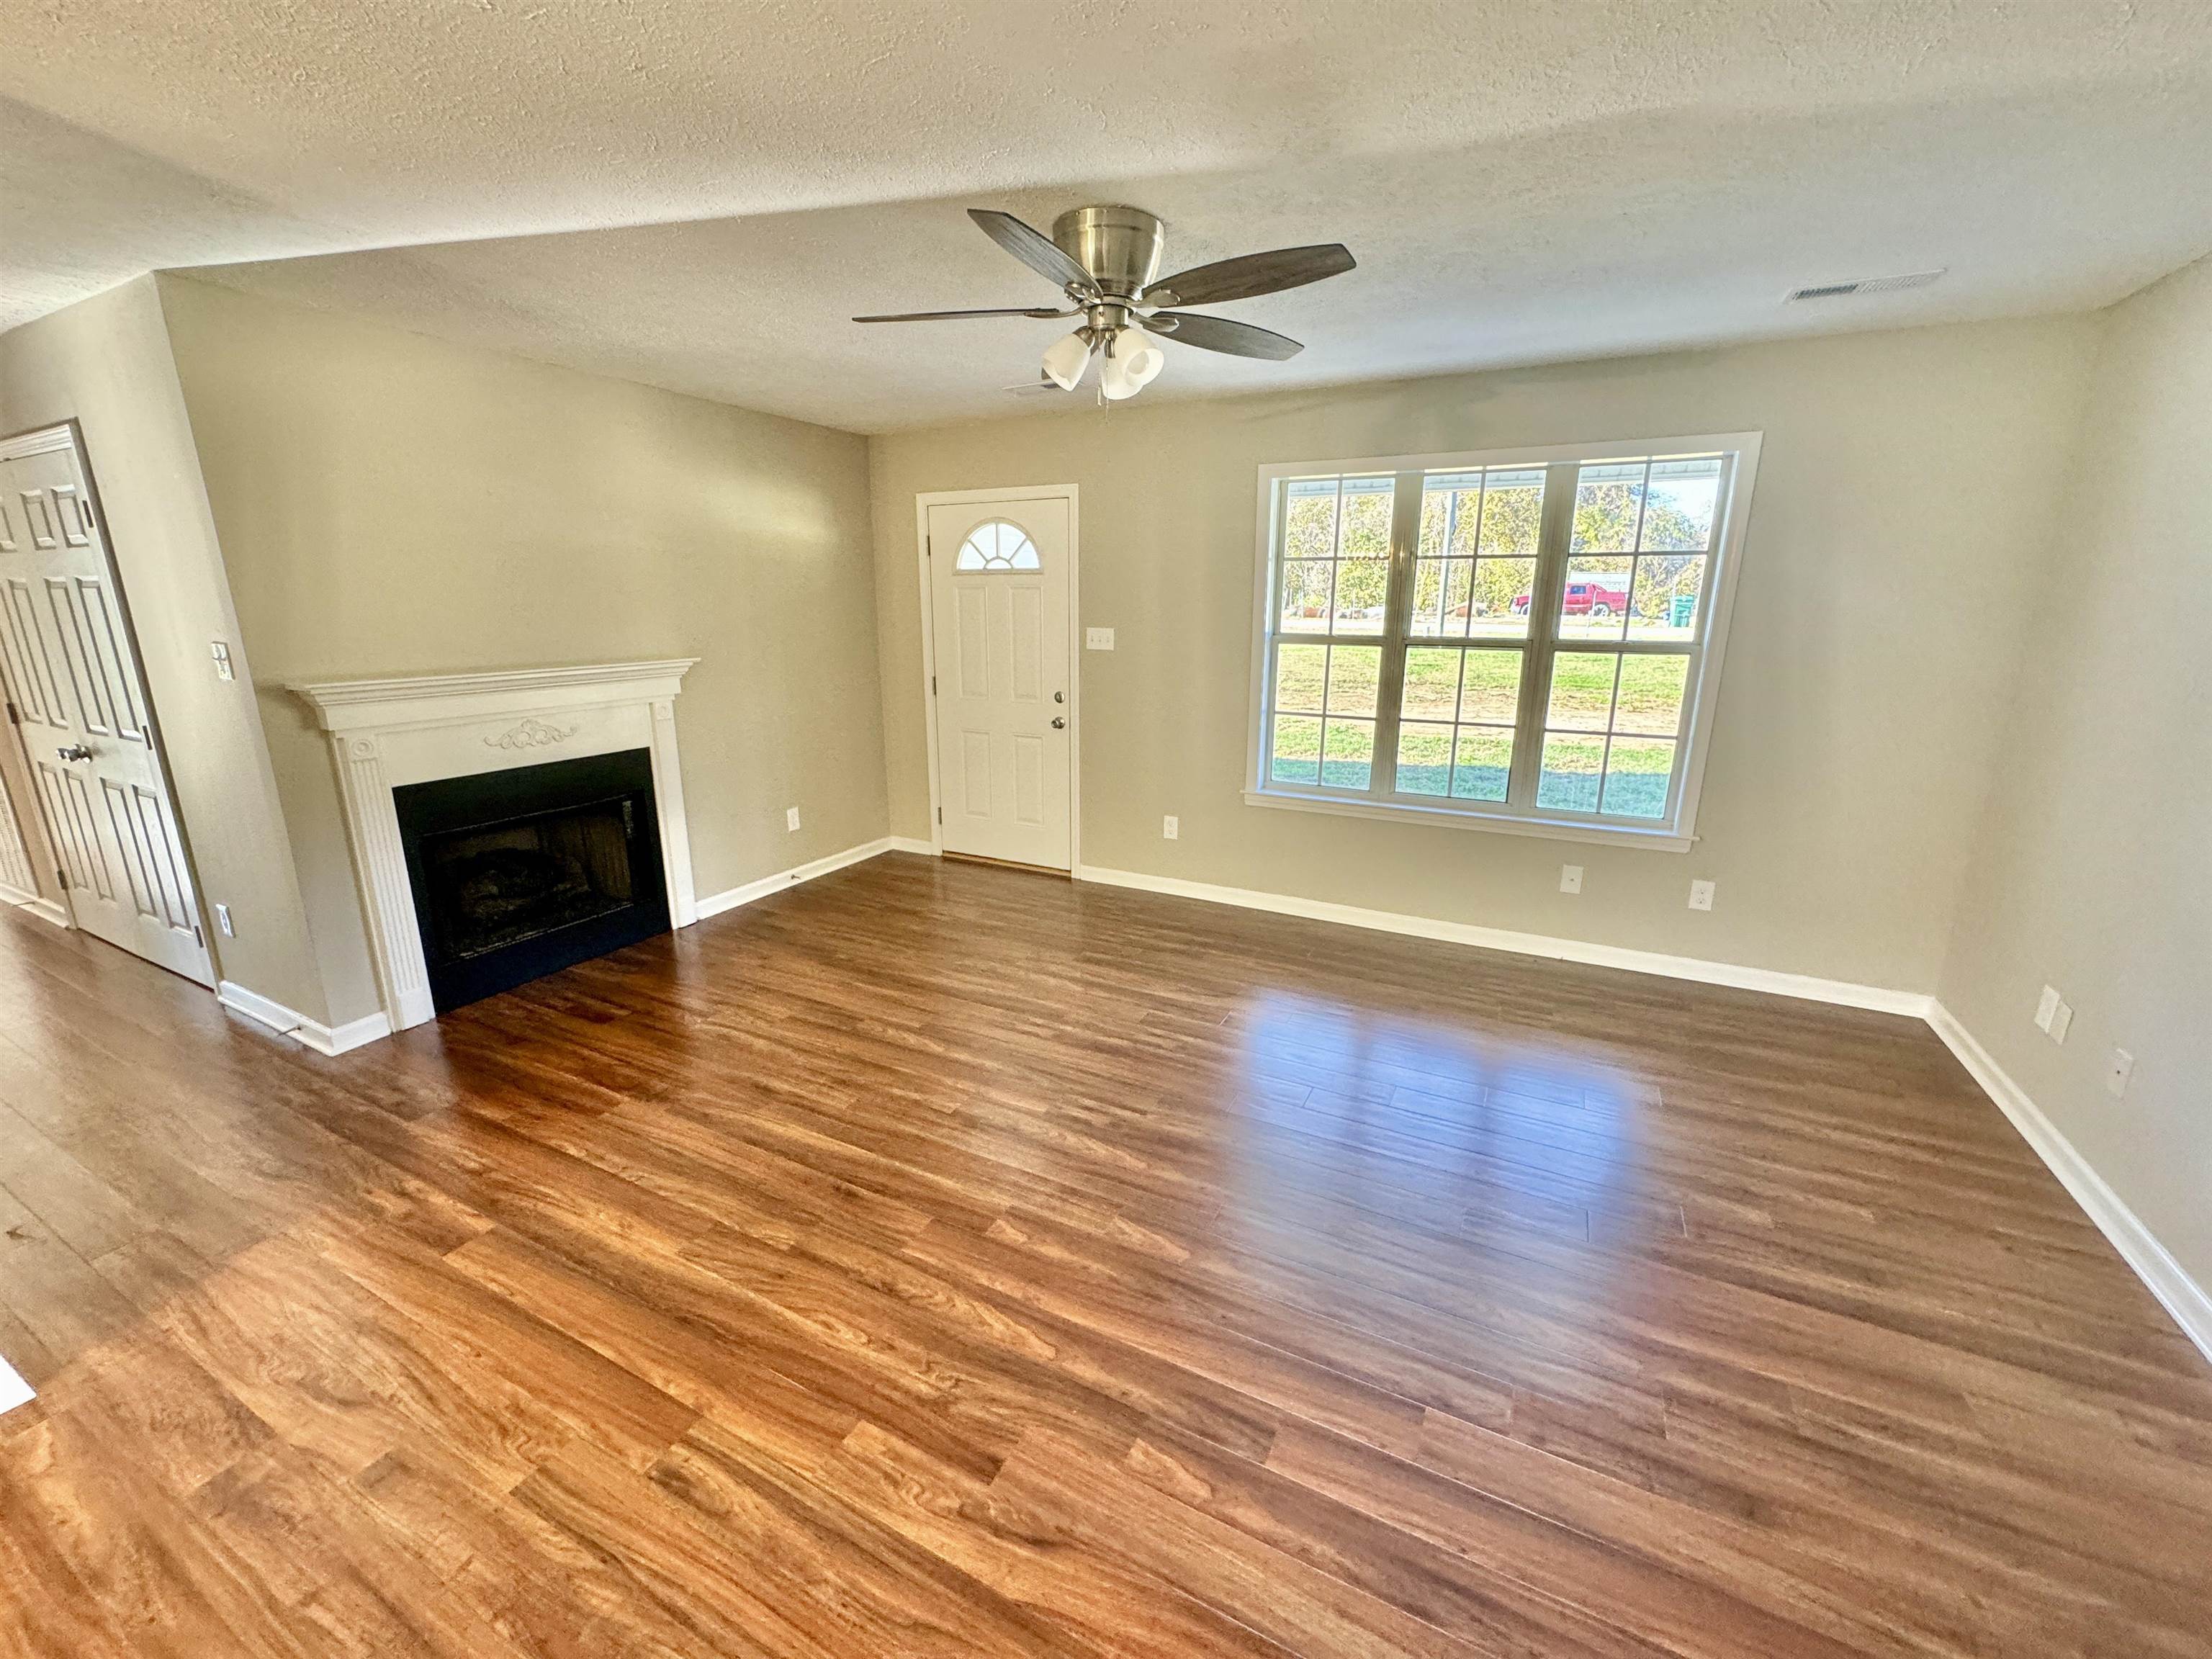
[997, 545]
[1522, 641]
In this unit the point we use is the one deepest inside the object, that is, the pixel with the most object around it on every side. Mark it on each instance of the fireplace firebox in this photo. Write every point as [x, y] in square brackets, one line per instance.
[518, 873]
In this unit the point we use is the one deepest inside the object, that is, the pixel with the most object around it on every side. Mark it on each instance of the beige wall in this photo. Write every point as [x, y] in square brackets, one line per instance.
[106, 363]
[1904, 499]
[2092, 869]
[391, 504]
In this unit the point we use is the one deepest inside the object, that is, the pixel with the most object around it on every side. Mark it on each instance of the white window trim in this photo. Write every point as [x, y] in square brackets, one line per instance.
[1677, 833]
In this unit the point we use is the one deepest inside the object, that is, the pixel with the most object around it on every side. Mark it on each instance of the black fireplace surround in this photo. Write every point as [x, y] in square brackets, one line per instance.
[518, 873]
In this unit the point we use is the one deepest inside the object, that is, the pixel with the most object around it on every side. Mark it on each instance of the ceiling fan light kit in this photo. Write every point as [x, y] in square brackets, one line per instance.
[1107, 261]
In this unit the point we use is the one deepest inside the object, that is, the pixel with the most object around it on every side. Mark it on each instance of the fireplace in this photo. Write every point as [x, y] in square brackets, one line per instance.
[492, 730]
[520, 872]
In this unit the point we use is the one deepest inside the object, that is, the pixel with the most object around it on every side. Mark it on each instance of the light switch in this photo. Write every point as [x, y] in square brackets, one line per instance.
[2046, 1007]
[1097, 639]
[220, 650]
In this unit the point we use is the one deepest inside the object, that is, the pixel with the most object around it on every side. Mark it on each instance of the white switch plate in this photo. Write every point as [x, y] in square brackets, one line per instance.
[222, 920]
[1171, 827]
[1097, 639]
[2117, 1071]
[1570, 879]
[1701, 895]
[790, 818]
[2046, 1006]
[220, 650]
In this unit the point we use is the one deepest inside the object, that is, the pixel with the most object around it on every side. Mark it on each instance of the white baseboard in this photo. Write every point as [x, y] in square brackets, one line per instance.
[1914, 1004]
[332, 1040]
[910, 844]
[13, 1391]
[2188, 1302]
[335, 1040]
[714, 904]
[44, 908]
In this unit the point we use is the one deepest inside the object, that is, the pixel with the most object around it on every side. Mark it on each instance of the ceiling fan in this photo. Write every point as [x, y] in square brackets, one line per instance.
[1107, 261]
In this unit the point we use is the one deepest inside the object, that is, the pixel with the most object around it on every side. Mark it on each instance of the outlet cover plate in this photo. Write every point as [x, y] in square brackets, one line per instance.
[1570, 879]
[2117, 1071]
[1701, 895]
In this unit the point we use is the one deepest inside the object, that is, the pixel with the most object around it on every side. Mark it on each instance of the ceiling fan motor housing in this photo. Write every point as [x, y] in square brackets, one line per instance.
[1119, 246]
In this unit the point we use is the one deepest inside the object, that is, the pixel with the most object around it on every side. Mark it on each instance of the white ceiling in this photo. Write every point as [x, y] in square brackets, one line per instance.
[1520, 182]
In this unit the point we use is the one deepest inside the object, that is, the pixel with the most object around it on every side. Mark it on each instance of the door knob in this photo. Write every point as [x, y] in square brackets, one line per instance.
[75, 752]
[1058, 724]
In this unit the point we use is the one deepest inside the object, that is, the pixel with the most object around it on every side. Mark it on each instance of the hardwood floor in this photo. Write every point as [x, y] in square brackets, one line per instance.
[949, 1260]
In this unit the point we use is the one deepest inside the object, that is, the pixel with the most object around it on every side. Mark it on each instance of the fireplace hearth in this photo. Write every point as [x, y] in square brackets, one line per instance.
[520, 872]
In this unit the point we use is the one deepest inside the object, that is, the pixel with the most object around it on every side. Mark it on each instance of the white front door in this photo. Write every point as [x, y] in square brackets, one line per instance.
[999, 592]
[81, 712]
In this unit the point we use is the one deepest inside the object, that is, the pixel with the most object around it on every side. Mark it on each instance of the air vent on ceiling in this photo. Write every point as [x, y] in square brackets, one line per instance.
[1865, 285]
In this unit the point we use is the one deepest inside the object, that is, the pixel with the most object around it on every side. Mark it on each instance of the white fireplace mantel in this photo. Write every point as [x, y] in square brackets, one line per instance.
[387, 733]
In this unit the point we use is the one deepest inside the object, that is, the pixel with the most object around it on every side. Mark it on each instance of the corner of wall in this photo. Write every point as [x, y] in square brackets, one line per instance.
[108, 363]
[2086, 871]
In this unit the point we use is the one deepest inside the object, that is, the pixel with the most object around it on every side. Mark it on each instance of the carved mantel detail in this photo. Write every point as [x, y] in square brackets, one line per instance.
[532, 733]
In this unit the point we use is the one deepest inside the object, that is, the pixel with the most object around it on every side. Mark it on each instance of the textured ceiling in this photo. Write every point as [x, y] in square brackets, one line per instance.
[1520, 182]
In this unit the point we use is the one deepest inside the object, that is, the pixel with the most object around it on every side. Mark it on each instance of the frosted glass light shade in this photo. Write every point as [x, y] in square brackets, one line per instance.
[1066, 359]
[1132, 364]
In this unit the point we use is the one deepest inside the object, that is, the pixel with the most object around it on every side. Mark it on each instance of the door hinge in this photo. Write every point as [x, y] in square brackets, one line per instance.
[940, 815]
[14, 718]
[932, 685]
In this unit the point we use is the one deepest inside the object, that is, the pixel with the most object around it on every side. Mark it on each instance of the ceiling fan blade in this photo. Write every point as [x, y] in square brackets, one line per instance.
[1032, 247]
[941, 316]
[1249, 274]
[1219, 334]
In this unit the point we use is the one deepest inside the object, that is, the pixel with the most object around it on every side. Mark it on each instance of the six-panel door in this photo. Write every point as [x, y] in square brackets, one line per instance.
[83, 719]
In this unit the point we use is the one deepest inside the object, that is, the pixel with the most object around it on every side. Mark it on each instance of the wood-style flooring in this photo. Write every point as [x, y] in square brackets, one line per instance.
[953, 1261]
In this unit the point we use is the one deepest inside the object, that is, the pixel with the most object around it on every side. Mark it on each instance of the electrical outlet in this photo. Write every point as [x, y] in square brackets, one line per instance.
[1097, 639]
[2061, 1017]
[1570, 879]
[2046, 1006]
[790, 818]
[1170, 828]
[220, 650]
[2117, 1071]
[222, 920]
[1701, 895]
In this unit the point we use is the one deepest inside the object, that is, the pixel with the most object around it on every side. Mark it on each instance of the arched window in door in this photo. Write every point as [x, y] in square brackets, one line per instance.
[997, 545]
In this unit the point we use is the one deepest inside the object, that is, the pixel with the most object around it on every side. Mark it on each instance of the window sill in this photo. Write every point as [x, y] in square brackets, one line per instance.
[1609, 834]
